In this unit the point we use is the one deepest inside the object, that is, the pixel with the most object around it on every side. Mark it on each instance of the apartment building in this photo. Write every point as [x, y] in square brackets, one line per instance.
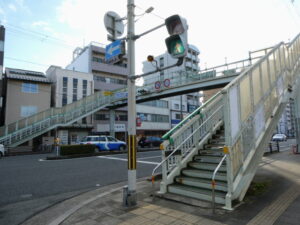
[106, 77]
[69, 86]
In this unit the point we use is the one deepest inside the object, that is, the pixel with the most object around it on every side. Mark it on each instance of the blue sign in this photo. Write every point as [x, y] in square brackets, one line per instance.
[121, 95]
[113, 50]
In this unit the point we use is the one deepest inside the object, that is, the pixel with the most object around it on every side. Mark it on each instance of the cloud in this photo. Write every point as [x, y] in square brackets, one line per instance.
[12, 7]
[39, 24]
[86, 17]
[21, 5]
[2, 12]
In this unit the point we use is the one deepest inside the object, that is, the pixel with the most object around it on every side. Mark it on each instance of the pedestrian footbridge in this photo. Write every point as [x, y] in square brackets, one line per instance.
[28, 128]
[214, 153]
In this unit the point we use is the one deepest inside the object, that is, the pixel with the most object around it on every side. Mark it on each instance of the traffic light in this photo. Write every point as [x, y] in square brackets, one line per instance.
[177, 42]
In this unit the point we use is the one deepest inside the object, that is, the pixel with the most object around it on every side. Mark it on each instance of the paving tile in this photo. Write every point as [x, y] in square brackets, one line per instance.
[180, 222]
[191, 218]
[140, 211]
[152, 215]
[151, 207]
[164, 219]
[138, 220]
[124, 223]
[177, 214]
[163, 210]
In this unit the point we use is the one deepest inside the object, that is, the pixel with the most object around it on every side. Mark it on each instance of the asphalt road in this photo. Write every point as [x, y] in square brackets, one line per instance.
[30, 183]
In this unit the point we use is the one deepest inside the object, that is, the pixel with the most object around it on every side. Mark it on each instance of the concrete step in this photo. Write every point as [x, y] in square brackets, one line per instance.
[208, 152]
[206, 166]
[196, 193]
[196, 173]
[219, 136]
[217, 141]
[201, 183]
[207, 158]
[214, 145]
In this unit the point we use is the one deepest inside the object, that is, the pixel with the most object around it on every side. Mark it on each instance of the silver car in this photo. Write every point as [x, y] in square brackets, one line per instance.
[2, 151]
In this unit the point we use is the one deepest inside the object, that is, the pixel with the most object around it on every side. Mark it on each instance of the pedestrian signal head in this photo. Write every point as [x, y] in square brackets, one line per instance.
[177, 41]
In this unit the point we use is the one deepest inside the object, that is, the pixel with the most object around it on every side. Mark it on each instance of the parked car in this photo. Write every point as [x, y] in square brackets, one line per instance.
[150, 142]
[279, 137]
[2, 151]
[104, 142]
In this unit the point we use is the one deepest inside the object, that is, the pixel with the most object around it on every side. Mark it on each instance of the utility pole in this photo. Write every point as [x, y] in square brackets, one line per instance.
[177, 47]
[130, 198]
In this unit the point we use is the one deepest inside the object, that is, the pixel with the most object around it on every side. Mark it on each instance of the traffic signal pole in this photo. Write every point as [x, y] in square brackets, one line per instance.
[130, 197]
[177, 29]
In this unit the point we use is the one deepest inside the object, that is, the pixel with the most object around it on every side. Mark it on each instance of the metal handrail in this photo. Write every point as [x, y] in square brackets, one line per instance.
[163, 161]
[213, 183]
[197, 111]
[238, 78]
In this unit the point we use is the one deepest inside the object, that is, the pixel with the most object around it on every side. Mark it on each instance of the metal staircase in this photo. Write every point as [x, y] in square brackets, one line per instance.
[213, 154]
[195, 179]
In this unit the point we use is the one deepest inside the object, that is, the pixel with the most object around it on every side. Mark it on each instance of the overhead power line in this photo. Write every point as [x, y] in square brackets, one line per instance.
[21, 60]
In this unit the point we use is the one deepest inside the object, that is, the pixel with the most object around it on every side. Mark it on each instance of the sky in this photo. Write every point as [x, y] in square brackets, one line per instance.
[40, 33]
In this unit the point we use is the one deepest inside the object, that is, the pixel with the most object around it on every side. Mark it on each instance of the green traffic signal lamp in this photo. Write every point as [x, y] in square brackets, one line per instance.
[176, 47]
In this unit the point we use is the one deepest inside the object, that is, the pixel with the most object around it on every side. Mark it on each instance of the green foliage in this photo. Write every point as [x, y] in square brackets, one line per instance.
[77, 149]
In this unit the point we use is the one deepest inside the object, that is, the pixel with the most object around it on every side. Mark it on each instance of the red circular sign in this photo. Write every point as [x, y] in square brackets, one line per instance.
[167, 82]
[157, 85]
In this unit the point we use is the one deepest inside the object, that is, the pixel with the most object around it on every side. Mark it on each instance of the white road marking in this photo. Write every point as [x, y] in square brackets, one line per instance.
[120, 159]
[152, 157]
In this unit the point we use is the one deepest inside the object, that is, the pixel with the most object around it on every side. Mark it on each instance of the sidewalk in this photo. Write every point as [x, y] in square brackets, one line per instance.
[278, 203]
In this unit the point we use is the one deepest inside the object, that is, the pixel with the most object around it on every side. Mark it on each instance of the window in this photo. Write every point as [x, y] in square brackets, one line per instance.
[101, 117]
[161, 62]
[177, 116]
[84, 88]
[111, 139]
[30, 88]
[153, 118]
[122, 118]
[28, 110]
[75, 85]
[96, 59]
[176, 106]
[65, 91]
[101, 139]
[156, 103]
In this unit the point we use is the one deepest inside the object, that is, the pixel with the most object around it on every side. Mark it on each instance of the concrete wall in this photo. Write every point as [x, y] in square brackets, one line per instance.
[81, 63]
[15, 98]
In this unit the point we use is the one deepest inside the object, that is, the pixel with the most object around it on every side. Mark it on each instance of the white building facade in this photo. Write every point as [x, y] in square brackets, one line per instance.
[69, 86]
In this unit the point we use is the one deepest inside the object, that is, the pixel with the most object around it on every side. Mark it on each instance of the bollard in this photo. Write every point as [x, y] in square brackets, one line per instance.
[270, 146]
